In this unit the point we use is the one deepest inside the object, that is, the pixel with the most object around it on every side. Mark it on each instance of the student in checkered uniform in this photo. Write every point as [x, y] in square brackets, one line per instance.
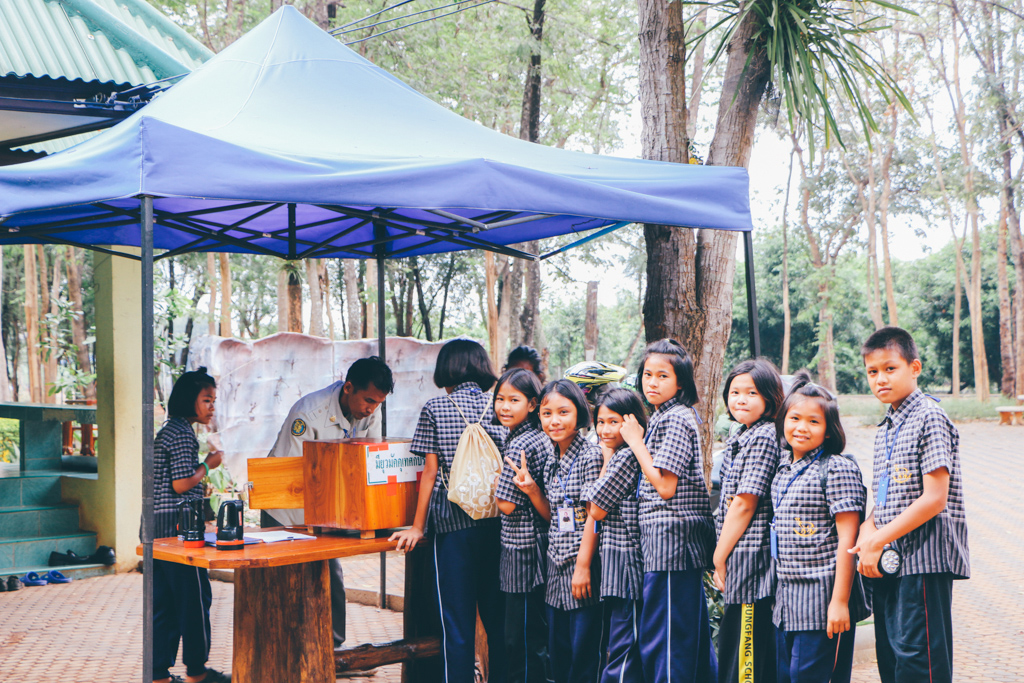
[524, 532]
[677, 533]
[466, 551]
[818, 500]
[182, 594]
[753, 395]
[919, 511]
[613, 503]
[575, 623]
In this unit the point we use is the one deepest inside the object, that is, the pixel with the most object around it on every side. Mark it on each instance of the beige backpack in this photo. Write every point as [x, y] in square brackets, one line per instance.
[475, 466]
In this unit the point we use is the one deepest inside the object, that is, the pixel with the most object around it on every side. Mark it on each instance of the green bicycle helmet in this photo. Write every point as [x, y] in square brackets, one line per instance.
[591, 374]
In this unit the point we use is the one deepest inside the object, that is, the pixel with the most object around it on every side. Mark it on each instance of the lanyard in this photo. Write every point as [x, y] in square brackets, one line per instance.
[797, 476]
[562, 481]
[883, 481]
[772, 533]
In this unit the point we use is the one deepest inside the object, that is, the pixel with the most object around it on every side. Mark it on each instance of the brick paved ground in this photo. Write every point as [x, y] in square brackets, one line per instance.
[90, 630]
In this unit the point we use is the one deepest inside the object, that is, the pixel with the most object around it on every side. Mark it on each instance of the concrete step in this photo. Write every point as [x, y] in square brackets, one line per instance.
[35, 552]
[36, 521]
[30, 488]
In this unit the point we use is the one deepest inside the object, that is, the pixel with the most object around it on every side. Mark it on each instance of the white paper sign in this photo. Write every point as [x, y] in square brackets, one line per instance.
[392, 463]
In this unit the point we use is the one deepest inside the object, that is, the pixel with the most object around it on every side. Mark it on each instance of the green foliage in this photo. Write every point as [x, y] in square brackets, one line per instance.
[815, 59]
[10, 451]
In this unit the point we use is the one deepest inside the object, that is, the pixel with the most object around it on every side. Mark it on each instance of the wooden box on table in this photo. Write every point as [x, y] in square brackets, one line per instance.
[363, 484]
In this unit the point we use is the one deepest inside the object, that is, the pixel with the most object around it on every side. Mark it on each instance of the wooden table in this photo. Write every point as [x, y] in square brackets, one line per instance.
[282, 612]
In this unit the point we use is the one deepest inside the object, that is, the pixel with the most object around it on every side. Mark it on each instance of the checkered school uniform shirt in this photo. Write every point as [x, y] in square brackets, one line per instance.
[807, 540]
[676, 534]
[751, 459]
[175, 456]
[524, 533]
[565, 477]
[622, 562]
[438, 431]
[926, 441]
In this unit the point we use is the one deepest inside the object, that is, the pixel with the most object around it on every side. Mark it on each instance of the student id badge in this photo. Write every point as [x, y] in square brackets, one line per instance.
[774, 539]
[566, 519]
[883, 490]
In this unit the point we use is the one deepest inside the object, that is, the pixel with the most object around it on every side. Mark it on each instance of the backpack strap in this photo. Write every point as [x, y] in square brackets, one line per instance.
[461, 414]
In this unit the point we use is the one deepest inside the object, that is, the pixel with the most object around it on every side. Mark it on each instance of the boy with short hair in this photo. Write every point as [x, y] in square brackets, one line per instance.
[919, 511]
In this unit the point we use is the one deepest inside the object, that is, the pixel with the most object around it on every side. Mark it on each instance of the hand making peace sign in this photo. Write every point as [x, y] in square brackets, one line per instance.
[523, 480]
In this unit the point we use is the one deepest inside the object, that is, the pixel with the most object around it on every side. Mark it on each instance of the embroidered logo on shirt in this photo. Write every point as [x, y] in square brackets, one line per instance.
[298, 428]
[900, 474]
[804, 528]
[581, 516]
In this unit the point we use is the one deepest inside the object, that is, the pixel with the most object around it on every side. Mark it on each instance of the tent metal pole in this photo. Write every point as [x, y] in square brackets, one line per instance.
[148, 522]
[380, 231]
[381, 338]
[748, 258]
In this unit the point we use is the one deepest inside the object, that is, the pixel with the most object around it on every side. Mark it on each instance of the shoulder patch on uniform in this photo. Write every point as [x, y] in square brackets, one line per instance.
[298, 428]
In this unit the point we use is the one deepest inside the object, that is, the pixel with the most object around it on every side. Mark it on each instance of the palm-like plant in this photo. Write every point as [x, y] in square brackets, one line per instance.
[812, 56]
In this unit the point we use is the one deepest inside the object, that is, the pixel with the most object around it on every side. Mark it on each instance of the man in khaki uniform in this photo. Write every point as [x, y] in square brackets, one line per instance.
[342, 410]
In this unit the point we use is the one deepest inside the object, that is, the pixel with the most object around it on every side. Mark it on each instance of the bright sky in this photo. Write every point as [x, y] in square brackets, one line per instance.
[769, 165]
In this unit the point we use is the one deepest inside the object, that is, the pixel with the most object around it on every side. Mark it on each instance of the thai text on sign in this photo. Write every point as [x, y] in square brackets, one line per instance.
[391, 463]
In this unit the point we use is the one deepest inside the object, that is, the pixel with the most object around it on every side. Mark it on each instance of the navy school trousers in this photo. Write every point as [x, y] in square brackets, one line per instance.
[526, 637]
[675, 634]
[746, 643]
[466, 572]
[574, 643]
[623, 641]
[811, 657]
[914, 628]
[181, 612]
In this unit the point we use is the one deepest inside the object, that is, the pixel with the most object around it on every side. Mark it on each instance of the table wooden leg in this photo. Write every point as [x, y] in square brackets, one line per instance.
[283, 625]
[420, 616]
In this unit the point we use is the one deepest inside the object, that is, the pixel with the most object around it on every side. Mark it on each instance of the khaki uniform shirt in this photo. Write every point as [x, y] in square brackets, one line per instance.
[316, 417]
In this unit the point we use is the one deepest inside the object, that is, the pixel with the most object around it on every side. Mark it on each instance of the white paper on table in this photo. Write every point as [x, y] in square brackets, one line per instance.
[275, 536]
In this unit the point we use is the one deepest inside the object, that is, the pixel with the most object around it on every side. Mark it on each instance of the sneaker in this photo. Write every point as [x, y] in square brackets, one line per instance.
[13, 583]
[214, 676]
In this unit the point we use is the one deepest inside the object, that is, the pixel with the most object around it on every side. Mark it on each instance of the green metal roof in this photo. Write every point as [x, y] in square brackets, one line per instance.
[119, 41]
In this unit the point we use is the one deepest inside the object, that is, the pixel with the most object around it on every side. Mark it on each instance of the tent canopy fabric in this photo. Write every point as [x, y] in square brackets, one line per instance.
[288, 143]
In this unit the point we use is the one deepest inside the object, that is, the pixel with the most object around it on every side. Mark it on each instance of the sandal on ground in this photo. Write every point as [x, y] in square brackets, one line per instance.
[13, 583]
[54, 576]
[33, 579]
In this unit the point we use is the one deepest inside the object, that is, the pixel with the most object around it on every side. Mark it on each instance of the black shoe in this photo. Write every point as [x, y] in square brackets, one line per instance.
[103, 555]
[14, 583]
[214, 676]
[60, 559]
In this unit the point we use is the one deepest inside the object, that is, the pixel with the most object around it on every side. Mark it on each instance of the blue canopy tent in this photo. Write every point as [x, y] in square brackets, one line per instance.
[290, 144]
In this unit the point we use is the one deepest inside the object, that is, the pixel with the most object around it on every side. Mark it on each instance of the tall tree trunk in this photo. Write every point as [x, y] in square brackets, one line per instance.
[370, 289]
[78, 328]
[787, 314]
[325, 287]
[529, 319]
[5, 380]
[212, 283]
[350, 273]
[225, 296]
[48, 307]
[826, 342]
[529, 125]
[1006, 351]
[490, 284]
[981, 380]
[294, 301]
[689, 279]
[421, 300]
[866, 194]
[282, 300]
[32, 325]
[957, 296]
[316, 299]
[883, 211]
[590, 323]
[444, 300]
